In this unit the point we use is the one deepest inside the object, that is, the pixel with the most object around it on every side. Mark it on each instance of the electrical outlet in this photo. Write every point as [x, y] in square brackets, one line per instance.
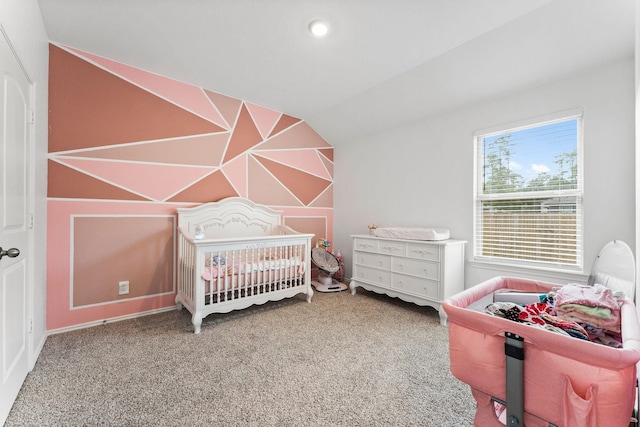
[123, 287]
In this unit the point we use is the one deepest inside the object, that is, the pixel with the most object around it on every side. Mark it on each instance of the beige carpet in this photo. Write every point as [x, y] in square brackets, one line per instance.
[343, 360]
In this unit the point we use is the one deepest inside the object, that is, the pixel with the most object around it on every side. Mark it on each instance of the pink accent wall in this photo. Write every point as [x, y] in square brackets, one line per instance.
[62, 311]
[126, 148]
[109, 249]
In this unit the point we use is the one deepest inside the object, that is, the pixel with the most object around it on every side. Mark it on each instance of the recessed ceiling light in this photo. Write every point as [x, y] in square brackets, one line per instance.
[319, 28]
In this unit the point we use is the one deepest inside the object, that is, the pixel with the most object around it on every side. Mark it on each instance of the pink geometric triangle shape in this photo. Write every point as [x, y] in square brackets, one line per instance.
[264, 118]
[189, 97]
[300, 135]
[305, 160]
[265, 189]
[325, 199]
[227, 106]
[201, 150]
[236, 173]
[157, 182]
[327, 164]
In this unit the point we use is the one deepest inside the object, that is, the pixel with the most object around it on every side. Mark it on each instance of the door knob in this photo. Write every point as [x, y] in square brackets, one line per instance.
[11, 253]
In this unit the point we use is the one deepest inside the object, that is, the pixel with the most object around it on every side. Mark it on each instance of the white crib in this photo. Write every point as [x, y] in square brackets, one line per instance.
[242, 256]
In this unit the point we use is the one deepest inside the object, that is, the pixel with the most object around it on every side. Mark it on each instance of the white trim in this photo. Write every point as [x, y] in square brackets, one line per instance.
[34, 351]
[107, 303]
[109, 320]
[530, 122]
[561, 276]
[72, 251]
[15, 55]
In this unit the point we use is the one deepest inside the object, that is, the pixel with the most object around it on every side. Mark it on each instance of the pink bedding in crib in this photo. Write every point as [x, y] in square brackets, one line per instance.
[567, 381]
[225, 277]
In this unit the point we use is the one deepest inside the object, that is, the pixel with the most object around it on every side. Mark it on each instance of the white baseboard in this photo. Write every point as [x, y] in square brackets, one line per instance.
[33, 357]
[110, 320]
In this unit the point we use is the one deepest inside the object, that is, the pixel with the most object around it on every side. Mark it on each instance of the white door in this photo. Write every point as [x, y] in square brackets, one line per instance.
[14, 227]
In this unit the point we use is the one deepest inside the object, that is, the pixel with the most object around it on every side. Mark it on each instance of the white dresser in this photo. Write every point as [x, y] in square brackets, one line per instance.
[422, 272]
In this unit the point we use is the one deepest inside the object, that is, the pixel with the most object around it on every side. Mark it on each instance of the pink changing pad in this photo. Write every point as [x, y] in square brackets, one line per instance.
[412, 233]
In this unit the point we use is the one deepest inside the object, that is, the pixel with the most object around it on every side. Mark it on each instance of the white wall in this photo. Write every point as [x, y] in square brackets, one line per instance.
[422, 174]
[23, 24]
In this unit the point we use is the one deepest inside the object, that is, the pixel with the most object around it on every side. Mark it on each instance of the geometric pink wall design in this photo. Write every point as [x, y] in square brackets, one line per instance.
[127, 147]
[157, 138]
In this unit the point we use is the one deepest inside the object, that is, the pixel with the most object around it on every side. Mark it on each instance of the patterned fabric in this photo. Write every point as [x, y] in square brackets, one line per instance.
[537, 314]
[508, 310]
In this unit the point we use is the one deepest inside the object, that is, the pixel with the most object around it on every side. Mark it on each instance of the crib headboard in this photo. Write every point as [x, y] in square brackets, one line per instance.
[230, 218]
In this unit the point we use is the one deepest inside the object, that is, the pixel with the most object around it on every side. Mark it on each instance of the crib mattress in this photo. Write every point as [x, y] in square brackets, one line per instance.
[412, 233]
[568, 381]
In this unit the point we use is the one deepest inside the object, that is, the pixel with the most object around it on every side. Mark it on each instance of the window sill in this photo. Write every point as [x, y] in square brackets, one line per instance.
[567, 275]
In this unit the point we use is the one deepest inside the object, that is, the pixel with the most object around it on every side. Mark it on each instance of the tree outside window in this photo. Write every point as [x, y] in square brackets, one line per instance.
[529, 193]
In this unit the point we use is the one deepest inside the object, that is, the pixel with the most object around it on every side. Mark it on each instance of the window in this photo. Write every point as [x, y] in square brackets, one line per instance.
[528, 194]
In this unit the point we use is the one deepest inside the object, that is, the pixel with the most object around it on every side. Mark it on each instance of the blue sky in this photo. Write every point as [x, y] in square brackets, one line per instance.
[534, 149]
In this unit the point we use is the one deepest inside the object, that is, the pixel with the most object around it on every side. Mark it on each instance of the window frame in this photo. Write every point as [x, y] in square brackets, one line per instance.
[578, 193]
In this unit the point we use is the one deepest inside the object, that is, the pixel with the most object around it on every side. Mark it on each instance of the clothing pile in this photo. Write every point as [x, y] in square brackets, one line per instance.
[586, 312]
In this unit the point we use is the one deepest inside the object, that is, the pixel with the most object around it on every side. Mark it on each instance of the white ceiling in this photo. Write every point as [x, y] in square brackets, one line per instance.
[384, 62]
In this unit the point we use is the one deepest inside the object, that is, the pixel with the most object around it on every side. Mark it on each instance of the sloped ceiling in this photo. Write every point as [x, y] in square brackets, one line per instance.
[384, 62]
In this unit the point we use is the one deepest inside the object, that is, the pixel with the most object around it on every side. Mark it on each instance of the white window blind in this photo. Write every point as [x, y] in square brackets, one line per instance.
[528, 195]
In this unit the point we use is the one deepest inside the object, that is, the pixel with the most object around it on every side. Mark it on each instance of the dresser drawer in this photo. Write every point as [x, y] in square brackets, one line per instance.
[391, 248]
[368, 245]
[415, 286]
[425, 269]
[421, 251]
[367, 274]
[373, 260]
[419, 271]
